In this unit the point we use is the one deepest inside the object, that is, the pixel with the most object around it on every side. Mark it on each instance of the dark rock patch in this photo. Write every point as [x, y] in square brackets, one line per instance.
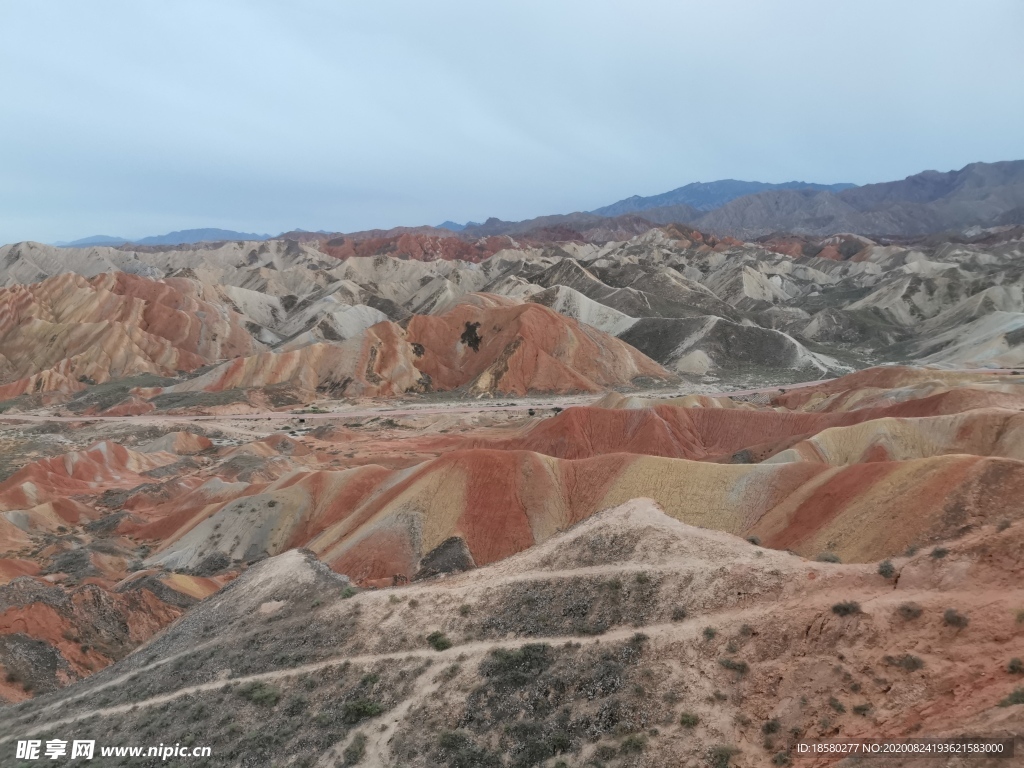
[450, 556]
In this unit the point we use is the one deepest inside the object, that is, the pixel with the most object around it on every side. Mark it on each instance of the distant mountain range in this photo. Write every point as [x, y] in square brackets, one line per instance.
[181, 237]
[980, 194]
[457, 227]
[706, 196]
[93, 240]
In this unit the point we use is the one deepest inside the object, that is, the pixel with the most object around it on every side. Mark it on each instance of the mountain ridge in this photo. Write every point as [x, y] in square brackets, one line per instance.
[178, 237]
[977, 195]
[929, 202]
[706, 196]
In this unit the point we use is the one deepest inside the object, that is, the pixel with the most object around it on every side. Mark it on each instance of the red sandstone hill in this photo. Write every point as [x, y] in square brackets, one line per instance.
[523, 348]
[371, 524]
[972, 420]
[66, 331]
[489, 346]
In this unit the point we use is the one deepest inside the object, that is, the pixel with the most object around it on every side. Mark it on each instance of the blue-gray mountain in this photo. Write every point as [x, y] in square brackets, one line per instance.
[978, 195]
[181, 237]
[706, 196]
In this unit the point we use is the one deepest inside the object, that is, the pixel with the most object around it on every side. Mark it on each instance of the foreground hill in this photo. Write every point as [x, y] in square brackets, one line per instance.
[630, 639]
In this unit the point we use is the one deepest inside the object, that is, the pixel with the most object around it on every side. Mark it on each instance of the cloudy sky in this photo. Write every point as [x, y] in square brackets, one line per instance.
[139, 117]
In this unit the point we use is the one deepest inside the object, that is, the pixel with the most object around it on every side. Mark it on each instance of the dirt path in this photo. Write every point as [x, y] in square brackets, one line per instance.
[477, 648]
[542, 403]
[563, 401]
[820, 603]
[378, 745]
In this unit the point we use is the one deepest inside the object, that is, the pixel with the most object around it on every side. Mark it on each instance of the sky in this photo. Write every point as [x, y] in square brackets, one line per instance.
[138, 117]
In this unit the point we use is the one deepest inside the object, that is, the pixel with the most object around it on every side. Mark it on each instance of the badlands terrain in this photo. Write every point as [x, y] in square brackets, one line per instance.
[629, 496]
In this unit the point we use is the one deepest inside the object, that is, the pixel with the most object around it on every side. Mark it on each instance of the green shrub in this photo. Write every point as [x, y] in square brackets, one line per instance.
[909, 611]
[906, 662]
[535, 744]
[465, 609]
[515, 668]
[633, 744]
[939, 552]
[451, 672]
[886, 569]
[709, 633]
[356, 750]
[360, 709]
[772, 726]
[720, 756]
[452, 740]
[836, 704]
[754, 540]
[461, 751]
[295, 706]
[260, 693]
[678, 613]
[439, 641]
[605, 752]
[848, 608]
[828, 557]
[689, 720]
[780, 758]
[348, 592]
[1015, 667]
[739, 667]
[954, 618]
[1017, 697]
[862, 709]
